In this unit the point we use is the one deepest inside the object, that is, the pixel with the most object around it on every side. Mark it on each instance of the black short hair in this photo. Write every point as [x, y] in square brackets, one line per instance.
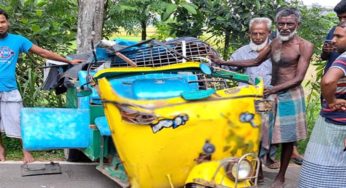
[340, 7]
[2, 12]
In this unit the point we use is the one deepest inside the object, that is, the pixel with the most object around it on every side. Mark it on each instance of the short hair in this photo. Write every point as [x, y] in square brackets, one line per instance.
[283, 12]
[265, 20]
[2, 12]
[340, 7]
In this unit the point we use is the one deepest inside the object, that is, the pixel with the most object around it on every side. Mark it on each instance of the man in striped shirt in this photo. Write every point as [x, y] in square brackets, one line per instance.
[325, 157]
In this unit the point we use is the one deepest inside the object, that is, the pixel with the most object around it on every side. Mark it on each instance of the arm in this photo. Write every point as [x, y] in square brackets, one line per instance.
[262, 56]
[306, 51]
[327, 47]
[326, 50]
[51, 55]
[328, 87]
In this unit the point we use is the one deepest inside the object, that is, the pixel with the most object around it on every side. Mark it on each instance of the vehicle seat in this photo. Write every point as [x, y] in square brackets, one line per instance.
[144, 86]
[102, 125]
[154, 85]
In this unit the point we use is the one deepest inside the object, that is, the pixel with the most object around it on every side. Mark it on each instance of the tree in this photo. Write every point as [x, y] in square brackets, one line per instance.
[133, 15]
[227, 20]
[186, 20]
[315, 31]
[231, 18]
[90, 23]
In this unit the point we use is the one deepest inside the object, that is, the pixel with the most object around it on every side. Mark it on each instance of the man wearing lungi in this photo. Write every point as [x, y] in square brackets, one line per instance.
[11, 46]
[325, 156]
[290, 56]
[259, 33]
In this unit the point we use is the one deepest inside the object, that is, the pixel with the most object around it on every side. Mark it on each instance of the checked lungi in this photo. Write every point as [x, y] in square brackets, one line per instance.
[287, 122]
[324, 163]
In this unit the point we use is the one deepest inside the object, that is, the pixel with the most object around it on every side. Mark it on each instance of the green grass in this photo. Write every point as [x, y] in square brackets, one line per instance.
[14, 151]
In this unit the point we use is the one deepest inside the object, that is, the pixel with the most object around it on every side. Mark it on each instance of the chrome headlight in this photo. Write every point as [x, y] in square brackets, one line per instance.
[242, 170]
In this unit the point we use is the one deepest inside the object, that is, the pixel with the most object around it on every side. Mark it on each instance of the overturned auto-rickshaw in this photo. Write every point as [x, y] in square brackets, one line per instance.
[156, 114]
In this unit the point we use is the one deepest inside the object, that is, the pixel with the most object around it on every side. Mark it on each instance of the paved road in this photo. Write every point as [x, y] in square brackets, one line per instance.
[73, 176]
[292, 176]
[86, 176]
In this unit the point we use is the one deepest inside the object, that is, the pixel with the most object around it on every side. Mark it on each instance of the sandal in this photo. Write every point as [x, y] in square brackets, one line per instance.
[274, 165]
[297, 160]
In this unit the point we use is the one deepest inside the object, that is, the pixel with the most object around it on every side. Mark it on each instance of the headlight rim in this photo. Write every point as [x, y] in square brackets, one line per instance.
[229, 170]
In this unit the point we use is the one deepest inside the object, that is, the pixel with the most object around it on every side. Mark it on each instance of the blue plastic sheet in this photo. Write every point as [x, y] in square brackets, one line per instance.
[55, 128]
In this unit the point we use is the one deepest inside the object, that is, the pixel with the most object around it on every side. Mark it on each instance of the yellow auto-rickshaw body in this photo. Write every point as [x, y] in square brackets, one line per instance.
[163, 149]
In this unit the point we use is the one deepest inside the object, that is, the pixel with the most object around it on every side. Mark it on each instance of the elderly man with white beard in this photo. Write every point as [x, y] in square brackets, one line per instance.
[290, 56]
[259, 32]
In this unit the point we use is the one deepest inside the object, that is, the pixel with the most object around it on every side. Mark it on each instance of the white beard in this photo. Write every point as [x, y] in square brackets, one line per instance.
[286, 38]
[258, 47]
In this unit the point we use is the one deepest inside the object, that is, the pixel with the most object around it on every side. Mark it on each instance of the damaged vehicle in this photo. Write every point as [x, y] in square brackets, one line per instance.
[155, 114]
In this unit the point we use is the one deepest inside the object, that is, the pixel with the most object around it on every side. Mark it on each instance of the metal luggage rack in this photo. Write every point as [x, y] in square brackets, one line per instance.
[157, 53]
[205, 82]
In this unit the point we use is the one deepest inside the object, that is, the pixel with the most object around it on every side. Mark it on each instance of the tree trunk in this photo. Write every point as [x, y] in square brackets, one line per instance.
[90, 18]
[90, 12]
[227, 44]
[144, 29]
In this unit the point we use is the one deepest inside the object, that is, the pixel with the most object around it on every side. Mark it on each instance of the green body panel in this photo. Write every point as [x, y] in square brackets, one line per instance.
[96, 111]
[93, 151]
[114, 169]
[71, 98]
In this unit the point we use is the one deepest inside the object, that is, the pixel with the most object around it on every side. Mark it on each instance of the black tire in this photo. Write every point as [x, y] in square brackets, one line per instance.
[195, 185]
[75, 155]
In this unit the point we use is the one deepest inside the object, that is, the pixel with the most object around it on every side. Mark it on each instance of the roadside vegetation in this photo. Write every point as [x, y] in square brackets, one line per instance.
[221, 23]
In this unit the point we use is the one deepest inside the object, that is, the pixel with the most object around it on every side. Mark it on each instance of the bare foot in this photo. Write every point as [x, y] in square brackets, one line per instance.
[271, 164]
[2, 153]
[277, 184]
[295, 155]
[28, 158]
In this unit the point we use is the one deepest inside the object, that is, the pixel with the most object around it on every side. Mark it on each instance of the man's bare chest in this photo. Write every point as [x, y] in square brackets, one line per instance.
[285, 55]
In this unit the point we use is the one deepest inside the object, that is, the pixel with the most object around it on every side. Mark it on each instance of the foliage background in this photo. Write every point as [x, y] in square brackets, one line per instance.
[222, 23]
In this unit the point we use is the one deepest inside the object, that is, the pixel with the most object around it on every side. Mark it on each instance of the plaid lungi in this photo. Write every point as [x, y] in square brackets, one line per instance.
[287, 121]
[324, 163]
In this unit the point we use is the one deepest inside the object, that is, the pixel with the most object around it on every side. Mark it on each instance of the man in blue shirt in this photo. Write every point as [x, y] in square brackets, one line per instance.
[328, 51]
[11, 46]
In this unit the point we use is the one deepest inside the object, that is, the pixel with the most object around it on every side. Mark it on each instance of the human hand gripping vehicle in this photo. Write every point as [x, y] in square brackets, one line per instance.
[175, 123]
